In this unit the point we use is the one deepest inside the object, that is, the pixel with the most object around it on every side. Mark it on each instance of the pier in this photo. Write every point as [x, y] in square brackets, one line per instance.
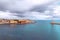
[55, 23]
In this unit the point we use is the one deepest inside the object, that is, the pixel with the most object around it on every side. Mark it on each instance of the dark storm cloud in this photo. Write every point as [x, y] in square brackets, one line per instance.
[40, 8]
[3, 7]
[21, 6]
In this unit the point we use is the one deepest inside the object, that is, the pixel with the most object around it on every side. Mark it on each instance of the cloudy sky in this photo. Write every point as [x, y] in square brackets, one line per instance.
[30, 9]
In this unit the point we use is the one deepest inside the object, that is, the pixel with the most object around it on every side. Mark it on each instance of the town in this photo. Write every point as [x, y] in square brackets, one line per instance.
[15, 21]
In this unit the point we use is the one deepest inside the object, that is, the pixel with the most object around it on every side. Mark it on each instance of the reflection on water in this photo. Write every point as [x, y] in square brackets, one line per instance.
[42, 30]
[11, 32]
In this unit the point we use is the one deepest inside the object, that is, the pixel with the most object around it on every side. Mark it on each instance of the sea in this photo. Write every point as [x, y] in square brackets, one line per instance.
[41, 30]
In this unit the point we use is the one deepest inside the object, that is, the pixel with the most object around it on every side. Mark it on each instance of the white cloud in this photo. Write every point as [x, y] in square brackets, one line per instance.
[32, 16]
[37, 16]
[25, 5]
[56, 12]
[7, 15]
[22, 5]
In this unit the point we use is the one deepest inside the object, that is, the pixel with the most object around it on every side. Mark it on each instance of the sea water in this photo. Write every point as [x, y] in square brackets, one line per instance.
[41, 30]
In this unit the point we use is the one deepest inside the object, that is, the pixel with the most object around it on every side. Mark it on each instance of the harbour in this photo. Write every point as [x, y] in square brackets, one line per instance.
[41, 30]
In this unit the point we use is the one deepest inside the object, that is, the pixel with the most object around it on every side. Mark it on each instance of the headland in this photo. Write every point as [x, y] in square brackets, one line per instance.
[15, 21]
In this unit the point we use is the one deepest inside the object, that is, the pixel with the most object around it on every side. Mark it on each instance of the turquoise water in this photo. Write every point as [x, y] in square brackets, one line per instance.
[41, 30]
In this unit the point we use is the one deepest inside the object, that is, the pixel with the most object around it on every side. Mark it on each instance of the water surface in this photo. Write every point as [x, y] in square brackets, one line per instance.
[41, 30]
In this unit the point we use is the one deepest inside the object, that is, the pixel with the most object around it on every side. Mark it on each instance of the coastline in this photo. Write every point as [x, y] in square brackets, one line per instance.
[5, 21]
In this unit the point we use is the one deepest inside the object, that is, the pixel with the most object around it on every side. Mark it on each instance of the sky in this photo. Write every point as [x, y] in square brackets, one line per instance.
[30, 9]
